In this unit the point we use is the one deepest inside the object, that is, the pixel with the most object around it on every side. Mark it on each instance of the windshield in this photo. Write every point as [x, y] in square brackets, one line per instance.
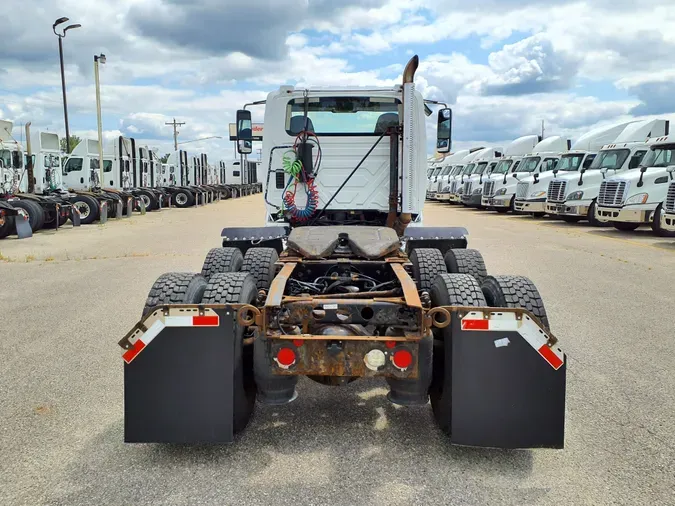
[437, 172]
[468, 169]
[529, 164]
[503, 167]
[480, 168]
[660, 157]
[610, 159]
[446, 171]
[6, 158]
[457, 169]
[570, 162]
[343, 115]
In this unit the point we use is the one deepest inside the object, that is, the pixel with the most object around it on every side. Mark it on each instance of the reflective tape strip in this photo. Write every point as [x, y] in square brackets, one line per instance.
[527, 328]
[144, 339]
[192, 321]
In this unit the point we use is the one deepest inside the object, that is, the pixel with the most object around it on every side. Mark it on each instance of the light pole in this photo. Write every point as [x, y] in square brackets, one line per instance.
[99, 59]
[63, 75]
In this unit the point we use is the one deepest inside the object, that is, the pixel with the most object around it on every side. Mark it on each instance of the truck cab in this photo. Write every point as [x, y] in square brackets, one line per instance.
[636, 197]
[496, 194]
[11, 160]
[457, 183]
[81, 168]
[485, 164]
[668, 215]
[450, 164]
[531, 190]
[573, 196]
[433, 180]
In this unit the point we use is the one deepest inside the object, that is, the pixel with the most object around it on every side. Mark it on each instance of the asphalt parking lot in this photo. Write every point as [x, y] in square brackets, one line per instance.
[67, 297]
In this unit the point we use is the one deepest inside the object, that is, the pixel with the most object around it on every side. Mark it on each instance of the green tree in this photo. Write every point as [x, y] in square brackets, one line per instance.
[165, 158]
[74, 141]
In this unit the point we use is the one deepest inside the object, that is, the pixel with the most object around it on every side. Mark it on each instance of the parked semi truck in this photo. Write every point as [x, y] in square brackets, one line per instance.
[473, 186]
[531, 189]
[637, 197]
[31, 180]
[452, 168]
[574, 196]
[339, 286]
[499, 188]
[668, 215]
[457, 184]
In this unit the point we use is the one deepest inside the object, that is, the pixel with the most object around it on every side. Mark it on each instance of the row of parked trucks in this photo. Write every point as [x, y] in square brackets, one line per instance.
[619, 175]
[40, 187]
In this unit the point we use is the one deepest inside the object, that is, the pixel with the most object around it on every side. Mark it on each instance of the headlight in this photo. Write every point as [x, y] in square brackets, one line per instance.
[640, 198]
[537, 195]
[445, 189]
[501, 191]
[478, 191]
[575, 196]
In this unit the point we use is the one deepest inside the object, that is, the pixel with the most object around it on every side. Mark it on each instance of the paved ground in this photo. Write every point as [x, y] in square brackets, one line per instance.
[67, 298]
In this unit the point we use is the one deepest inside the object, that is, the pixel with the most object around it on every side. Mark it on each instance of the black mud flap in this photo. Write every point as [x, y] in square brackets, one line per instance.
[23, 230]
[75, 216]
[505, 393]
[118, 212]
[442, 238]
[179, 388]
[130, 206]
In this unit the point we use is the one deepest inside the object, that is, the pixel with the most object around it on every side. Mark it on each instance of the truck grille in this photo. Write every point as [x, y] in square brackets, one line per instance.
[453, 187]
[489, 188]
[521, 190]
[556, 191]
[467, 188]
[612, 193]
[670, 199]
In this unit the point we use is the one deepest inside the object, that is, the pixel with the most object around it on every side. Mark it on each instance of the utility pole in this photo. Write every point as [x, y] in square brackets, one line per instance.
[175, 124]
[543, 129]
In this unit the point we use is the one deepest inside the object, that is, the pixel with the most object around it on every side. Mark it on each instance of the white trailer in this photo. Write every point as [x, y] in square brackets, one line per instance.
[636, 197]
[539, 165]
[499, 189]
[573, 196]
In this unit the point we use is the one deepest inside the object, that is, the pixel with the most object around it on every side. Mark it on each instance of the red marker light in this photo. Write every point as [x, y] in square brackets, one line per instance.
[298, 342]
[402, 359]
[285, 357]
[390, 344]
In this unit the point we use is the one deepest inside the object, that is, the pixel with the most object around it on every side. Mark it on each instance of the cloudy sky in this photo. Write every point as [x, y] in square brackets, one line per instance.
[505, 65]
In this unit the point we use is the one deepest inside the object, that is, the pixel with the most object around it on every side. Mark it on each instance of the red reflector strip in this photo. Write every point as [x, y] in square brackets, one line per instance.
[475, 324]
[206, 321]
[130, 354]
[550, 357]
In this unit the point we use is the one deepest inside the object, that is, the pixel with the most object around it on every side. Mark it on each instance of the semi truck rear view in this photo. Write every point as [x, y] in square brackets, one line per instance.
[345, 282]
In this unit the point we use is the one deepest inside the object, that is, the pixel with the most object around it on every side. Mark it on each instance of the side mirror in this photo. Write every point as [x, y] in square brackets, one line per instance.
[244, 132]
[444, 131]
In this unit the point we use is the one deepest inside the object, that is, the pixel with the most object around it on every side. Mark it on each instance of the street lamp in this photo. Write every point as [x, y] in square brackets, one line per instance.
[99, 59]
[63, 75]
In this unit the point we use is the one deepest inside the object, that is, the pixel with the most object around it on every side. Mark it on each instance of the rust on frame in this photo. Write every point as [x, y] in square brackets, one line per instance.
[276, 293]
[412, 298]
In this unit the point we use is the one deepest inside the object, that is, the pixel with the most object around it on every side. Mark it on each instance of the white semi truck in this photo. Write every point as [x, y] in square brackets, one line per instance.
[637, 197]
[473, 186]
[498, 191]
[457, 183]
[668, 215]
[531, 190]
[573, 196]
[451, 169]
[339, 286]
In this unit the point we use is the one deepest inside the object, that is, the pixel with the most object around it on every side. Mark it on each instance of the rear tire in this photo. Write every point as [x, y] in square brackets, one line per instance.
[88, 207]
[237, 288]
[6, 225]
[448, 290]
[625, 227]
[515, 292]
[36, 216]
[221, 260]
[466, 261]
[260, 263]
[182, 199]
[592, 220]
[427, 263]
[175, 288]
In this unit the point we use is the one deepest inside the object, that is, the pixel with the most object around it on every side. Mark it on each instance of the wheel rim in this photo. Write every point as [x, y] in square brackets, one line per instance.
[146, 201]
[181, 198]
[83, 208]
